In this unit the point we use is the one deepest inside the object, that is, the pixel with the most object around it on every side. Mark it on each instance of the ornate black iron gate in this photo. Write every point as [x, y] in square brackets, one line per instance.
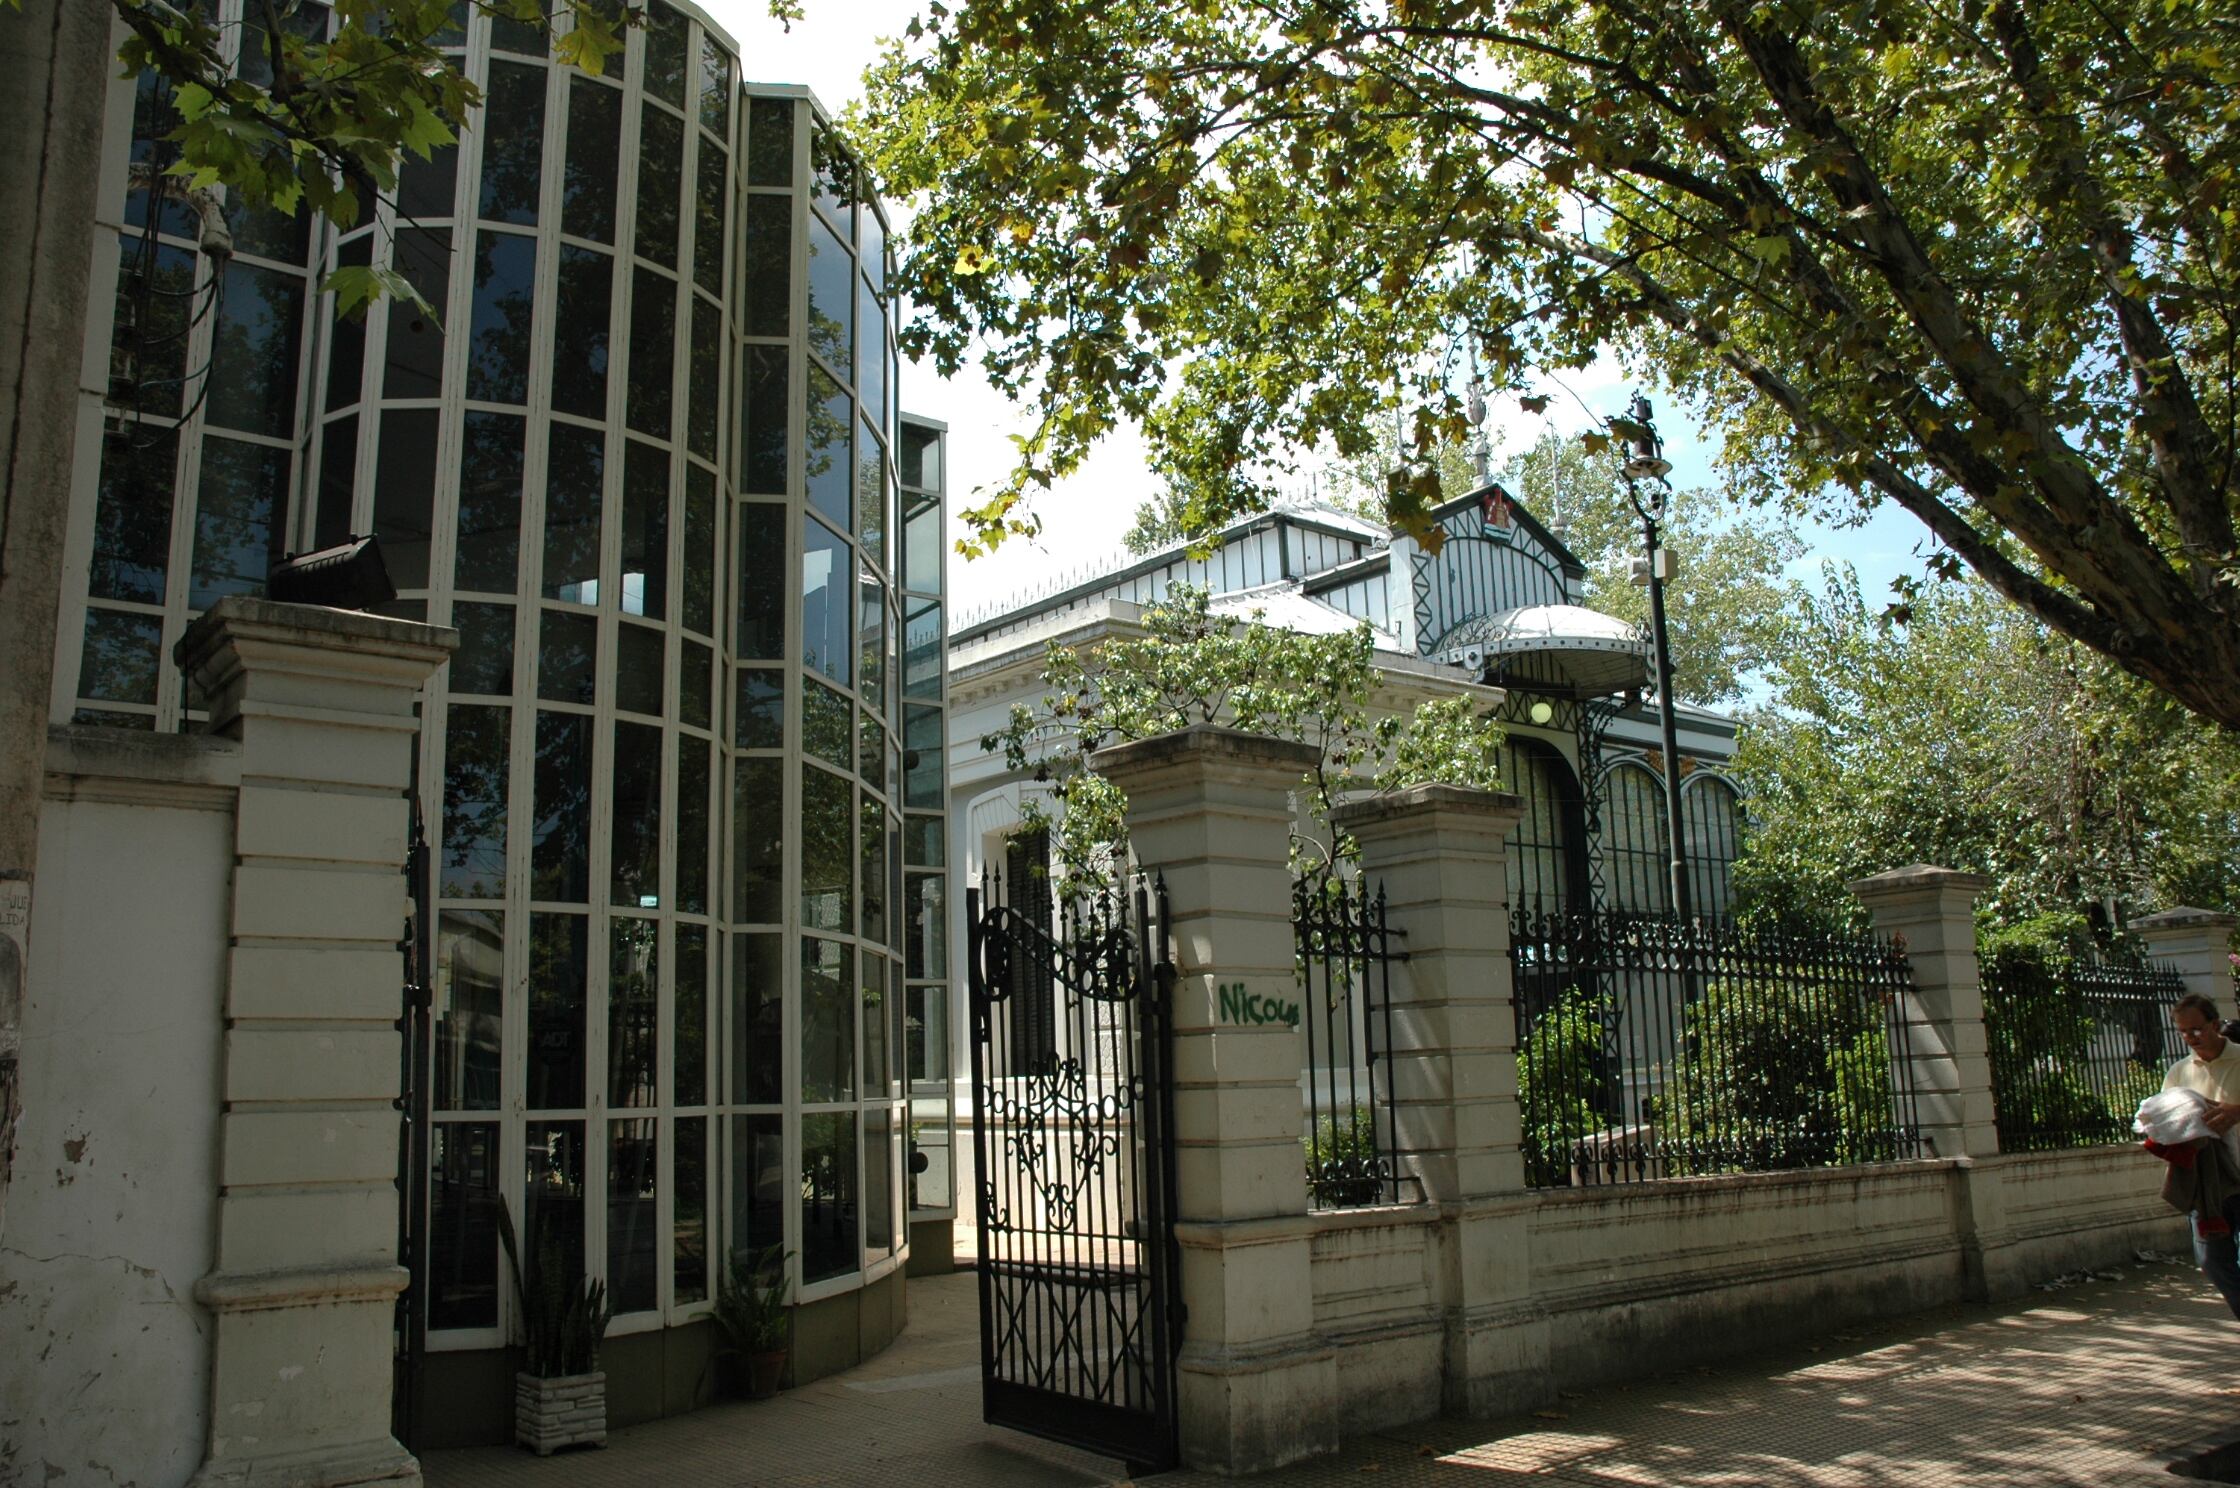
[1072, 1108]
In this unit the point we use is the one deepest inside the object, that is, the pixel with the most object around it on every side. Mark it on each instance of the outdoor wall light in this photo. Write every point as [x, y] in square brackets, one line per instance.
[1542, 711]
[348, 576]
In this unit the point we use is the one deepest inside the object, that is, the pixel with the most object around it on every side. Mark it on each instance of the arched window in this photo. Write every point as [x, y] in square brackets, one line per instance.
[1635, 860]
[1711, 818]
[1544, 867]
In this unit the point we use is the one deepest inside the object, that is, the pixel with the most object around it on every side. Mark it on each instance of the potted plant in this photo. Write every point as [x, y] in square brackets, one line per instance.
[560, 1394]
[752, 1315]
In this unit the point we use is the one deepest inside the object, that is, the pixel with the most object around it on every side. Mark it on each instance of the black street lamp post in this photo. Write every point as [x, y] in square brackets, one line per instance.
[1645, 463]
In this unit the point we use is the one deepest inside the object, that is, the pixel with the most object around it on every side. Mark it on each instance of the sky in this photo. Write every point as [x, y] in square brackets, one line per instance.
[1085, 516]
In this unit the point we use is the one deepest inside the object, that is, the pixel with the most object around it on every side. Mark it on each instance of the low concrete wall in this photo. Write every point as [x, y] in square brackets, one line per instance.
[1633, 1278]
[105, 1376]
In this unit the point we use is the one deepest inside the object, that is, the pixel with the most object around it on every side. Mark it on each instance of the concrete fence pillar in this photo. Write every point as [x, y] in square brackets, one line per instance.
[1439, 853]
[306, 1274]
[1210, 809]
[2198, 942]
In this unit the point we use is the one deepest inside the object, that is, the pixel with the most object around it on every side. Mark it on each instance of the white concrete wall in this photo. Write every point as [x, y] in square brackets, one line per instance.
[105, 1364]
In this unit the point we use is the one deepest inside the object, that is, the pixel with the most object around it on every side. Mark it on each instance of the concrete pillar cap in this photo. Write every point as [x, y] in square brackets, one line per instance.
[1368, 812]
[1917, 878]
[2185, 917]
[1205, 743]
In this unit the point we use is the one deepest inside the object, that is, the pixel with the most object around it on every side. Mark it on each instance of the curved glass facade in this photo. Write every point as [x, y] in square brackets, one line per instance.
[683, 780]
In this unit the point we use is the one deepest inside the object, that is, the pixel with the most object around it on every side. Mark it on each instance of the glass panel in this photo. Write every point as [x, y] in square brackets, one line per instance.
[693, 780]
[921, 456]
[695, 687]
[123, 657]
[757, 1019]
[707, 221]
[930, 1139]
[871, 244]
[872, 495]
[559, 854]
[153, 117]
[428, 188]
[553, 1196]
[705, 374]
[871, 847]
[338, 480]
[827, 852]
[463, 1225]
[769, 260]
[559, 962]
[758, 1183]
[758, 833]
[833, 176]
[922, 546]
[878, 1182]
[660, 185]
[828, 1195]
[832, 301]
[504, 309]
[877, 1072]
[921, 648]
[635, 875]
[581, 330]
[653, 348]
[413, 356]
[928, 1026]
[715, 88]
[921, 758]
[762, 709]
[689, 1259]
[638, 665]
[665, 54]
[871, 753]
[770, 142]
[567, 657]
[633, 1009]
[699, 577]
[404, 494]
[826, 642]
[512, 142]
[475, 745]
[828, 1021]
[762, 584]
[574, 478]
[689, 1053]
[253, 356]
[871, 642]
[871, 354]
[926, 924]
[149, 358]
[587, 187]
[764, 411]
[346, 335]
[490, 470]
[827, 724]
[526, 37]
[469, 1007]
[645, 531]
[484, 661]
[132, 517]
[922, 842]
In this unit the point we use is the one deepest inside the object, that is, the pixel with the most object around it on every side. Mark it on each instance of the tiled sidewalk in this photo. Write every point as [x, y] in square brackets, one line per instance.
[2090, 1385]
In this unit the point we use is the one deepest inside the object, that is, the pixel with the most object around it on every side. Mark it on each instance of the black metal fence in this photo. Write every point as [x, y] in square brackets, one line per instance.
[1345, 956]
[2077, 1039]
[1649, 1047]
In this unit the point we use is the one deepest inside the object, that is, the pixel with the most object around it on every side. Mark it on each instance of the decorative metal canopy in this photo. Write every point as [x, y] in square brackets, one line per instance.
[1575, 652]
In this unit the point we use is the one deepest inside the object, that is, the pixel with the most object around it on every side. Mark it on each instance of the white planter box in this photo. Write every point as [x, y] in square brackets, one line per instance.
[549, 1414]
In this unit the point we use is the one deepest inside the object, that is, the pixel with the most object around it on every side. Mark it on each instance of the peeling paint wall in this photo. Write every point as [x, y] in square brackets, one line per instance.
[105, 1369]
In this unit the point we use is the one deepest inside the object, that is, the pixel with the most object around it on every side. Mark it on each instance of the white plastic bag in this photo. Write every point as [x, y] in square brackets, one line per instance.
[2174, 1116]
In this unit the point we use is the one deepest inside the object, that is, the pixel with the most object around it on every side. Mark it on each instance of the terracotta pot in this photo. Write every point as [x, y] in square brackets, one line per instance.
[763, 1373]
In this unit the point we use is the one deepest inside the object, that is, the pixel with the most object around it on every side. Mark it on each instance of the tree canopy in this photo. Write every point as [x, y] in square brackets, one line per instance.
[1976, 259]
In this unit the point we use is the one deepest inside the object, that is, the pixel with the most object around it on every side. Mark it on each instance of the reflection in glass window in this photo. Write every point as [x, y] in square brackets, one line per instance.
[871, 754]
[922, 546]
[928, 1030]
[560, 848]
[924, 844]
[559, 963]
[828, 1020]
[580, 332]
[715, 88]
[504, 312]
[690, 1203]
[705, 375]
[872, 492]
[468, 1011]
[763, 409]
[827, 611]
[253, 354]
[413, 354]
[878, 1180]
[769, 261]
[828, 1195]
[653, 346]
[567, 657]
[762, 587]
[921, 648]
[871, 246]
[512, 142]
[830, 466]
[149, 359]
[921, 456]
[832, 300]
[694, 777]
[871, 643]
[699, 578]
[921, 757]
[758, 1182]
[758, 833]
[707, 222]
[476, 741]
[695, 687]
[826, 723]
[925, 925]
[635, 839]
[490, 470]
[587, 186]
[689, 1053]
[660, 185]
[833, 176]
[871, 847]
[761, 713]
[404, 494]
[239, 513]
[338, 480]
[757, 1019]
[525, 37]
[770, 142]
[633, 1007]
[463, 1225]
[484, 661]
[665, 54]
[645, 531]
[553, 1195]
[574, 475]
[828, 859]
[871, 355]
[132, 516]
[346, 333]
[638, 667]
[428, 188]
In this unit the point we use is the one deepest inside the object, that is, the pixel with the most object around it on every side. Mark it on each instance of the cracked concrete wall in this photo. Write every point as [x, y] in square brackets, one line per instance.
[105, 1369]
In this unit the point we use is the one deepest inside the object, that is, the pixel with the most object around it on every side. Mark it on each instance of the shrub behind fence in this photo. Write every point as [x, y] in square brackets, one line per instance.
[1344, 968]
[2077, 1039]
[1649, 1047]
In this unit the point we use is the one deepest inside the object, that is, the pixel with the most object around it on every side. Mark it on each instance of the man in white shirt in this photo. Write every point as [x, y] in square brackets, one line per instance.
[2213, 1069]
